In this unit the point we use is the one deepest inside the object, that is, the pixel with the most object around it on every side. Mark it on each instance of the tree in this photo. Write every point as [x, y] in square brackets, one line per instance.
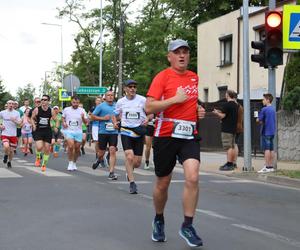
[28, 92]
[4, 95]
[292, 84]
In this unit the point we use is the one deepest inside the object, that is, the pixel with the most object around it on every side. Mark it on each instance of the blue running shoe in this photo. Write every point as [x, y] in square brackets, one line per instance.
[189, 234]
[158, 233]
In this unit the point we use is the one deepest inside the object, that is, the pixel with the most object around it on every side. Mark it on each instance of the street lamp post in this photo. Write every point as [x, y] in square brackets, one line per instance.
[100, 57]
[61, 48]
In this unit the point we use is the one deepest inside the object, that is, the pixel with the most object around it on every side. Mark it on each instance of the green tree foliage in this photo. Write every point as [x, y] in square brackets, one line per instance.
[146, 36]
[28, 92]
[4, 95]
[291, 101]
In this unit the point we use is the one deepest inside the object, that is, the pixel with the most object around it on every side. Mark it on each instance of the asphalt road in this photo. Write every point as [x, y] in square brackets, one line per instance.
[83, 210]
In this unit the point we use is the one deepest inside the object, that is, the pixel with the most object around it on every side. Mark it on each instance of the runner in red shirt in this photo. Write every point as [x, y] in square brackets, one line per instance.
[173, 95]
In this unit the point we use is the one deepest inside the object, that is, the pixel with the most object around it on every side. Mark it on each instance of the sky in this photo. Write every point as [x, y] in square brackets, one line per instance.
[28, 48]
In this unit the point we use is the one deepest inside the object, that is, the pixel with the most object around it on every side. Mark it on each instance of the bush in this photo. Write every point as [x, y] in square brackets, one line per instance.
[291, 101]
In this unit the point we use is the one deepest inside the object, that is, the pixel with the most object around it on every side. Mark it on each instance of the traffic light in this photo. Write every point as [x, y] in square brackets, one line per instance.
[260, 57]
[273, 41]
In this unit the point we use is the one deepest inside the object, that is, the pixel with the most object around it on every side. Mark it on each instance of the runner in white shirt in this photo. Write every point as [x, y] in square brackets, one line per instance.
[130, 110]
[10, 120]
[72, 119]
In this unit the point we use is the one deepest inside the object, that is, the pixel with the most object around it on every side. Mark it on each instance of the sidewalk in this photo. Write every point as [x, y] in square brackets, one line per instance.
[211, 161]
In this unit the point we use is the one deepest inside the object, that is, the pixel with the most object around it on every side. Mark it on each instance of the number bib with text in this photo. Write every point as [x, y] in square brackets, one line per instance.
[183, 130]
[133, 115]
[109, 126]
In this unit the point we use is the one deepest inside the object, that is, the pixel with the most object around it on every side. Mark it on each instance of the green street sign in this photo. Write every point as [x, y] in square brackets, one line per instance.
[88, 90]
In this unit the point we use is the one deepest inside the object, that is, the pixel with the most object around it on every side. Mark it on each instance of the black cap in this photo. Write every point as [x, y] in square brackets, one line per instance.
[130, 81]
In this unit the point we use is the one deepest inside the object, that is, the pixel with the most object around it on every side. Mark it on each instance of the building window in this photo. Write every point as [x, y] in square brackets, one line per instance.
[222, 92]
[206, 95]
[226, 50]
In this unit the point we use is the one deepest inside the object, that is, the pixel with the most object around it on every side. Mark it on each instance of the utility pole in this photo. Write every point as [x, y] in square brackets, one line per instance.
[100, 52]
[272, 90]
[246, 89]
[121, 48]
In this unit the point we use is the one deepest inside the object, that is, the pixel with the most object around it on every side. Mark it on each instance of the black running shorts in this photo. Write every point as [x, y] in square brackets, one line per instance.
[43, 135]
[135, 144]
[150, 130]
[110, 139]
[167, 150]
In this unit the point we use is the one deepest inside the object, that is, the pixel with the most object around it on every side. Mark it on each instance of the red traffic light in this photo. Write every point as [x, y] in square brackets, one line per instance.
[274, 19]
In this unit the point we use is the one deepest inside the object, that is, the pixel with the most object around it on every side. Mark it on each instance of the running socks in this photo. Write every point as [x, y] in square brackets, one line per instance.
[187, 221]
[38, 154]
[45, 160]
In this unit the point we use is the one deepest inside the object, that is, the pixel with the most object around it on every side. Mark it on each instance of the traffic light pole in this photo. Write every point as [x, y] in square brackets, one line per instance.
[246, 89]
[272, 90]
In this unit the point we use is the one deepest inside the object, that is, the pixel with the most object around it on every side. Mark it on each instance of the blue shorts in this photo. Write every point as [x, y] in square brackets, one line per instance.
[26, 135]
[267, 142]
[73, 135]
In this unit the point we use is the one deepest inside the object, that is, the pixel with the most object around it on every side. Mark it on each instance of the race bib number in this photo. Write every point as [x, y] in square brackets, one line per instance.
[44, 121]
[133, 115]
[183, 130]
[73, 124]
[109, 126]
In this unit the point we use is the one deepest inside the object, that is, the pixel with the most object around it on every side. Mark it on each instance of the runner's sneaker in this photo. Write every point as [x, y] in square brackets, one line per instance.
[9, 164]
[146, 166]
[30, 150]
[96, 164]
[37, 162]
[70, 166]
[43, 168]
[5, 158]
[189, 234]
[158, 233]
[112, 176]
[82, 151]
[132, 188]
[266, 169]
[74, 166]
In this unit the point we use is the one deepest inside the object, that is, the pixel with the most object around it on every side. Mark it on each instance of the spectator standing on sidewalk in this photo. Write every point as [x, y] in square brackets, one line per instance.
[229, 116]
[267, 119]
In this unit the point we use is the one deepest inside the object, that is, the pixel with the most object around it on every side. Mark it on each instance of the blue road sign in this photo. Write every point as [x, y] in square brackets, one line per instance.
[294, 35]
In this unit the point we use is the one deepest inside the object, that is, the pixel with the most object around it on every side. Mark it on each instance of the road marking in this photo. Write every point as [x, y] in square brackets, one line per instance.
[21, 161]
[126, 182]
[89, 170]
[213, 214]
[232, 181]
[269, 234]
[5, 173]
[49, 172]
[136, 171]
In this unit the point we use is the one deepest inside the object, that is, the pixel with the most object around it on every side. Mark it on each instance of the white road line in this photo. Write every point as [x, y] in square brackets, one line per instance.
[232, 181]
[21, 161]
[5, 173]
[89, 170]
[126, 182]
[136, 171]
[269, 234]
[49, 172]
[213, 214]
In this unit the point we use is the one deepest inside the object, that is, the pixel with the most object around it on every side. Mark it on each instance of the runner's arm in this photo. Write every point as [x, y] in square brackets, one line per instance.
[154, 106]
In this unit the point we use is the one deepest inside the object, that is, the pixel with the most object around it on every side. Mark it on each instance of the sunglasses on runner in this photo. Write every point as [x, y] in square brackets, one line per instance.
[44, 99]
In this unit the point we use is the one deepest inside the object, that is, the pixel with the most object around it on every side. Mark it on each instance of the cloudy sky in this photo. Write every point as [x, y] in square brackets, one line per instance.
[27, 48]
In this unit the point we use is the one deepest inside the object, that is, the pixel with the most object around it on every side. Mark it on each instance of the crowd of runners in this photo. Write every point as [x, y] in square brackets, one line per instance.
[171, 104]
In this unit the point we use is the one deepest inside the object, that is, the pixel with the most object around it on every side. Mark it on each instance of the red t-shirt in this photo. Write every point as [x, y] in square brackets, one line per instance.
[164, 86]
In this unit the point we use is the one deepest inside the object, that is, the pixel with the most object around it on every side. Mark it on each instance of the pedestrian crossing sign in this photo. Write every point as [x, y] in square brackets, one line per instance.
[291, 27]
[63, 95]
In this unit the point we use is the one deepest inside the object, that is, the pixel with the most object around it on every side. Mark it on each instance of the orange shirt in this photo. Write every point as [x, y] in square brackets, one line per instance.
[164, 86]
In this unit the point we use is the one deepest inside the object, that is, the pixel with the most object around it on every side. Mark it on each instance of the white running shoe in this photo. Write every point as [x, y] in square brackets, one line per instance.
[74, 166]
[266, 170]
[70, 166]
[147, 166]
